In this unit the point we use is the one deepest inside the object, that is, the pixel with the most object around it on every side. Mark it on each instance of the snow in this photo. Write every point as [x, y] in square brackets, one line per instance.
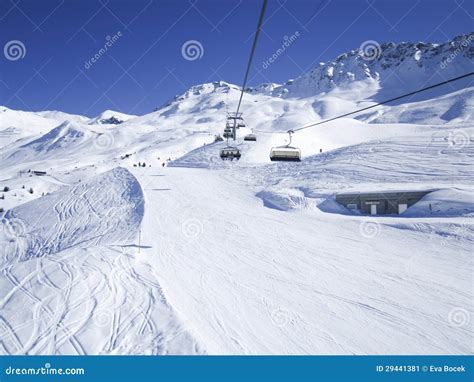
[270, 282]
[107, 208]
[449, 202]
[71, 275]
[109, 117]
[250, 257]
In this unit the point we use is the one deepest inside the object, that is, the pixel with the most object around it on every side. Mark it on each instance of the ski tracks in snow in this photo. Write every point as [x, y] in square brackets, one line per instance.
[64, 293]
[88, 301]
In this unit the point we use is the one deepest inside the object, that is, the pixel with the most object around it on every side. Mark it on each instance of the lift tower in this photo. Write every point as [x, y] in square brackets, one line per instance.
[234, 122]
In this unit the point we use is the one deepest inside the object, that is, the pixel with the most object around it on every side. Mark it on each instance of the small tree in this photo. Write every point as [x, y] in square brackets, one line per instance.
[2, 197]
[30, 190]
[6, 189]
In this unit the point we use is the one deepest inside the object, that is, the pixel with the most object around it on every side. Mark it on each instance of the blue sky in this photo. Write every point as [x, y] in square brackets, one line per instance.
[144, 66]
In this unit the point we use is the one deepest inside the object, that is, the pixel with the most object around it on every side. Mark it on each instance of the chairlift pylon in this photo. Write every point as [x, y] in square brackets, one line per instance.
[230, 152]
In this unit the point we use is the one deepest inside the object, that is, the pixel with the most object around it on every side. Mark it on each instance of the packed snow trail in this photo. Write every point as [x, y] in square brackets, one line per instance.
[247, 279]
[71, 283]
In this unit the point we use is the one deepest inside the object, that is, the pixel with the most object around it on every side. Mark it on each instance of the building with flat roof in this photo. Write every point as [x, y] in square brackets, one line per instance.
[380, 203]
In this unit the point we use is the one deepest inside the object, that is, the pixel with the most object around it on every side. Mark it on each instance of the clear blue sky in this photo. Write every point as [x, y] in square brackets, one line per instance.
[145, 67]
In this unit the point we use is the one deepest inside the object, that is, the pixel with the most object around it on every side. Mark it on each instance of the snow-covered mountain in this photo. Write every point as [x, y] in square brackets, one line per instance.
[110, 117]
[387, 69]
[127, 234]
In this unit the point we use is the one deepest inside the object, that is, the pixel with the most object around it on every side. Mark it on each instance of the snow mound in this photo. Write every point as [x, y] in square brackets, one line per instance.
[448, 202]
[106, 209]
[288, 199]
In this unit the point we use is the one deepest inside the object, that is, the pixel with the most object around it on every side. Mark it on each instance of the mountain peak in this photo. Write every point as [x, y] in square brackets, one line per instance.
[393, 66]
[110, 117]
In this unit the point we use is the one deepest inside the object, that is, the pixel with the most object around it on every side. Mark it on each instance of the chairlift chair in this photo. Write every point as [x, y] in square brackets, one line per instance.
[230, 153]
[286, 153]
[250, 137]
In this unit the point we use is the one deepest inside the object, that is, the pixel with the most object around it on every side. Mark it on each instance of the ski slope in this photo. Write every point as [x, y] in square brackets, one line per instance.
[206, 262]
[138, 239]
[386, 285]
[74, 283]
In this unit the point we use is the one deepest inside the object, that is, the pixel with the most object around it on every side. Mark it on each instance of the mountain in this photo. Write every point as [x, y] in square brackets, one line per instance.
[387, 69]
[192, 119]
[136, 238]
[16, 124]
[110, 117]
[60, 116]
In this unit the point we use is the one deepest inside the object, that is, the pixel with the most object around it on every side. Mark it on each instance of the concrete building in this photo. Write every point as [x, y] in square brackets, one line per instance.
[380, 203]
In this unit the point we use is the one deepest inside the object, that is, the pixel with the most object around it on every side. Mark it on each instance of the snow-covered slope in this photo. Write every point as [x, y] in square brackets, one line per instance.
[84, 214]
[72, 283]
[249, 279]
[60, 116]
[454, 108]
[140, 240]
[16, 124]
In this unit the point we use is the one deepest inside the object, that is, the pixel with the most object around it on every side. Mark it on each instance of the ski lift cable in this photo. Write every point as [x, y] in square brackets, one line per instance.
[254, 45]
[387, 101]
